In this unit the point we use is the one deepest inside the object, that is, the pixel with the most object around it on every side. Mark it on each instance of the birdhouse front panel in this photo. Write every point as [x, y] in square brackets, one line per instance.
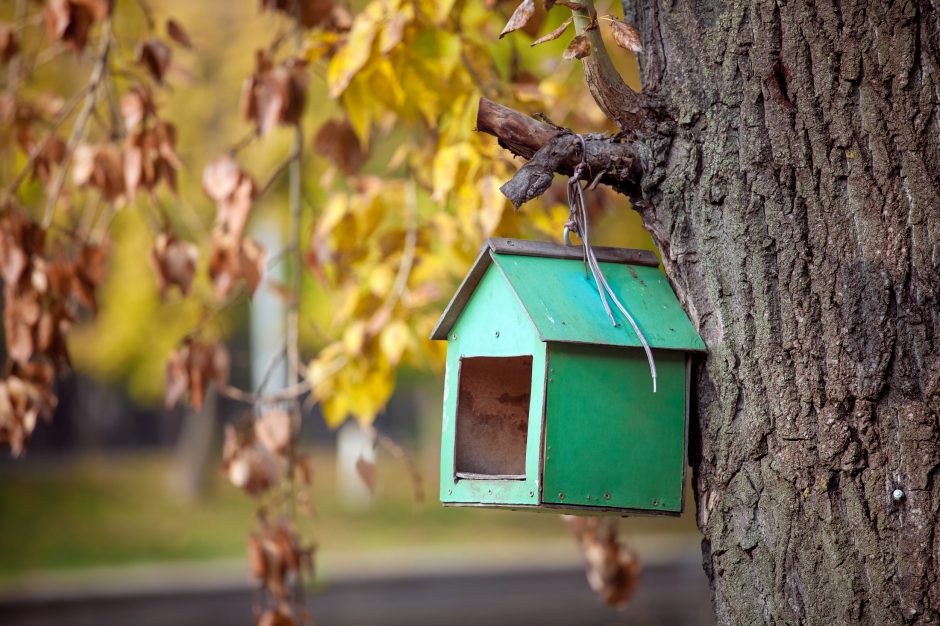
[494, 392]
[610, 441]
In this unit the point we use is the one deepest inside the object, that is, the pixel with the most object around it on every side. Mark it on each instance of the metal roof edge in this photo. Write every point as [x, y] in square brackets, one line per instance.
[463, 293]
[548, 249]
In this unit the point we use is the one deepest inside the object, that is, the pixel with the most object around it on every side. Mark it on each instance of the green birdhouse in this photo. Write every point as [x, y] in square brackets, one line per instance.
[548, 404]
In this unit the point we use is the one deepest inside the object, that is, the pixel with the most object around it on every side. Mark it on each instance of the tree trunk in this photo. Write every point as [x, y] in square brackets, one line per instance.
[796, 202]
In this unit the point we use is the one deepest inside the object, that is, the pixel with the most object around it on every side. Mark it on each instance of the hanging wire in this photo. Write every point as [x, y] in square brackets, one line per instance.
[578, 223]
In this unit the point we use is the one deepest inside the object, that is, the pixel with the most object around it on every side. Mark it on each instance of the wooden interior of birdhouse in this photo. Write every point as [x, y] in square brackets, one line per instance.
[492, 417]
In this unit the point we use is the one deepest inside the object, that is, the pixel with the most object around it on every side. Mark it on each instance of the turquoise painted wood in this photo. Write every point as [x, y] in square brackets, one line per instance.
[609, 440]
[492, 309]
[564, 304]
[547, 406]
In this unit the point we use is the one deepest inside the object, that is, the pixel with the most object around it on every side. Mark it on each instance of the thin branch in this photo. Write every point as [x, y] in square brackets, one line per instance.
[615, 98]
[284, 165]
[392, 447]
[19, 20]
[37, 150]
[405, 266]
[291, 393]
[78, 131]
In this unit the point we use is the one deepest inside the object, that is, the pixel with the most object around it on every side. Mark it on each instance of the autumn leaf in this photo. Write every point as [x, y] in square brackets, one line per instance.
[177, 33]
[555, 34]
[626, 36]
[9, 42]
[366, 471]
[275, 94]
[156, 56]
[337, 141]
[613, 570]
[192, 367]
[136, 106]
[70, 21]
[174, 262]
[273, 430]
[519, 18]
[579, 48]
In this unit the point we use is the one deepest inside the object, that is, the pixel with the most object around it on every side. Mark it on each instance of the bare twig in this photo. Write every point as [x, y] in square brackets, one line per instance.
[78, 131]
[404, 267]
[392, 447]
[284, 165]
[56, 124]
[291, 393]
[615, 98]
[19, 20]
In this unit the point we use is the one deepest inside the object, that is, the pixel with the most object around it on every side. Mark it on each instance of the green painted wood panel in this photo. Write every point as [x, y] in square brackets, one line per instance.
[492, 309]
[565, 306]
[609, 440]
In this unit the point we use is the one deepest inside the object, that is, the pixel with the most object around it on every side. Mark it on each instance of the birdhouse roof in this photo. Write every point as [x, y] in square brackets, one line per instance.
[549, 282]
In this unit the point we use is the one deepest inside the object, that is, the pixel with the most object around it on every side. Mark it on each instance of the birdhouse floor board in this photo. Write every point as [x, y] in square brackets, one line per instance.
[471, 476]
[493, 415]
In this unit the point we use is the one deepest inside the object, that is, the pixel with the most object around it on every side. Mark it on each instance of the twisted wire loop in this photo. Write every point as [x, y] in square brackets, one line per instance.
[578, 224]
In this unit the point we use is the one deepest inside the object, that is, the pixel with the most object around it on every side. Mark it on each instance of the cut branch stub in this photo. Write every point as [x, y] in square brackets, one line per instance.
[552, 149]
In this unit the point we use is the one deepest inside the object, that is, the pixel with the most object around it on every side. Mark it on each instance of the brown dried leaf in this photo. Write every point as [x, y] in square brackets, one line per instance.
[70, 21]
[337, 141]
[626, 36]
[274, 94]
[191, 367]
[156, 56]
[366, 471]
[233, 190]
[579, 48]
[136, 106]
[311, 12]
[613, 570]
[174, 262]
[519, 18]
[221, 177]
[253, 258]
[281, 616]
[555, 34]
[256, 560]
[9, 42]
[274, 430]
[177, 33]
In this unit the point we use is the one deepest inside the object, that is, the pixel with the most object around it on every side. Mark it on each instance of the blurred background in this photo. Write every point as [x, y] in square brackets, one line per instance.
[118, 513]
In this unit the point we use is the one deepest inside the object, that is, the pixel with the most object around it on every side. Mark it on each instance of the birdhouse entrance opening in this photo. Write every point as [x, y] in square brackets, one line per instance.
[492, 417]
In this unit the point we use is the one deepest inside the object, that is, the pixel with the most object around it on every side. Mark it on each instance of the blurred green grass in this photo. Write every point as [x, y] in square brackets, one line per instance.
[114, 510]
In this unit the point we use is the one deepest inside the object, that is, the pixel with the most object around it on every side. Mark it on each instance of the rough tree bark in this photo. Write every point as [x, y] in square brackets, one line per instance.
[792, 184]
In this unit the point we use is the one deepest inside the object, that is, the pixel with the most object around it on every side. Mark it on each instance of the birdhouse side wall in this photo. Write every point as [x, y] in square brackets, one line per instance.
[492, 325]
[610, 442]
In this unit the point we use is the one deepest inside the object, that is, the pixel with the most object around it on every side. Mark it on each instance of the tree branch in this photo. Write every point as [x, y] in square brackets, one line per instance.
[78, 131]
[615, 98]
[550, 150]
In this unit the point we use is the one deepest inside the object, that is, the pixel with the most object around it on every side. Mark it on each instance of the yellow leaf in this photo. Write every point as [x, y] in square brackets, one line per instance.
[353, 56]
[354, 338]
[492, 205]
[394, 340]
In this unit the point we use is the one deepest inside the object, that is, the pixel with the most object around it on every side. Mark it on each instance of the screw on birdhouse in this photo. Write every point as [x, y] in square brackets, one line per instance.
[561, 496]
[607, 496]
[497, 334]
[449, 491]
[531, 493]
[655, 502]
[490, 492]
[898, 495]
